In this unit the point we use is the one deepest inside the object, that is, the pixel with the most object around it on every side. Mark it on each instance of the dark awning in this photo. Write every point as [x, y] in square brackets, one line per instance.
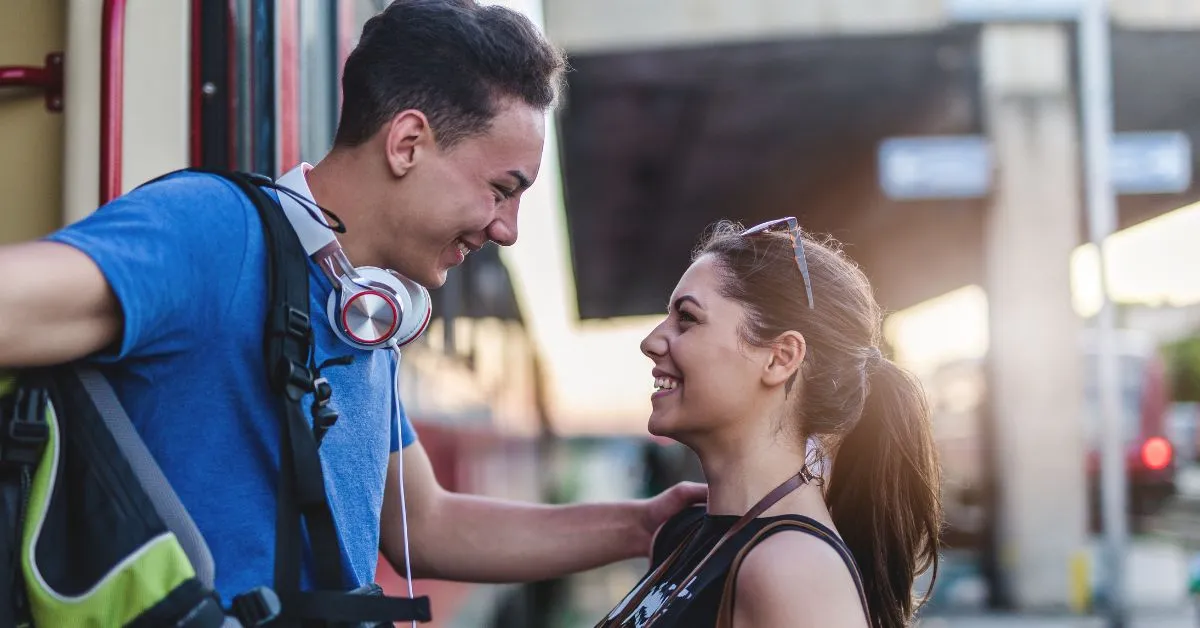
[658, 144]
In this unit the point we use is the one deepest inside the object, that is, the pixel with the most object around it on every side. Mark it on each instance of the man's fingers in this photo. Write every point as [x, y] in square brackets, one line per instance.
[691, 492]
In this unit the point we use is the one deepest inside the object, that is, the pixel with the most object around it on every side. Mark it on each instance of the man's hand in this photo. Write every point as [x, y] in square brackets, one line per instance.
[658, 509]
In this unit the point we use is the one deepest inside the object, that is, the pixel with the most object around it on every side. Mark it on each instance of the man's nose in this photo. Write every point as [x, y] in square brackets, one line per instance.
[503, 230]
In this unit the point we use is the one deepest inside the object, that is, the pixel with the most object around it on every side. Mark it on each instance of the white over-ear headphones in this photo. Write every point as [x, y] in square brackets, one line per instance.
[369, 307]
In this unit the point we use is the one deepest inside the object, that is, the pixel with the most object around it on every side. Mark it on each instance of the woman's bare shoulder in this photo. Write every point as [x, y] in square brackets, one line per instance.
[795, 579]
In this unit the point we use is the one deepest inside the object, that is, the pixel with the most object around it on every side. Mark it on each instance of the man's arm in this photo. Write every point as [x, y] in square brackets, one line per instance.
[55, 305]
[478, 539]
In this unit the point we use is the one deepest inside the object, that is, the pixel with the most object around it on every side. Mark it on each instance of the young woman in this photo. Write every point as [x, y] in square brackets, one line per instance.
[768, 365]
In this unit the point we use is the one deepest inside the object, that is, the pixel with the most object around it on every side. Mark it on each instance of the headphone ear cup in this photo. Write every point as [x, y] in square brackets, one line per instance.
[415, 305]
[383, 286]
[418, 308]
[333, 309]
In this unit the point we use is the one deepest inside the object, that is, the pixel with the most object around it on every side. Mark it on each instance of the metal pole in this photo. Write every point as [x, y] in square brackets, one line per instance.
[1096, 104]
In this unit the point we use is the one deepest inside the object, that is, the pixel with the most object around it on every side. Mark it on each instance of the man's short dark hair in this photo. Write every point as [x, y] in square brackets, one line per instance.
[453, 60]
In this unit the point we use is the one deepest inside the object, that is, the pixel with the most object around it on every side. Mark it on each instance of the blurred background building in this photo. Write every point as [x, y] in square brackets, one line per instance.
[677, 113]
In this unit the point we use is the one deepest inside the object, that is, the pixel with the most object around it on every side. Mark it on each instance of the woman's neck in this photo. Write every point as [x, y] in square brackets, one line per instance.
[739, 476]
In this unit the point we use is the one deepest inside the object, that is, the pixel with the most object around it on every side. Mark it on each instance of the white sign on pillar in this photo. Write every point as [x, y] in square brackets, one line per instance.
[935, 167]
[1151, 163]
[960, 166]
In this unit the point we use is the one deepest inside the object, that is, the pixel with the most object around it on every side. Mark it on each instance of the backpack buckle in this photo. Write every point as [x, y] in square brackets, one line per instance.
[294, 378]
[296, 324]
[256, 607]
[27, 430]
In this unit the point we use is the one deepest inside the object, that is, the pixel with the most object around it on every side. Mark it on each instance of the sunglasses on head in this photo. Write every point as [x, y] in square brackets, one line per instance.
[793, 232]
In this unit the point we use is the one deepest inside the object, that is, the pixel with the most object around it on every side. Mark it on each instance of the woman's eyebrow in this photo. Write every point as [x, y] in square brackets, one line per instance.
[687, 297]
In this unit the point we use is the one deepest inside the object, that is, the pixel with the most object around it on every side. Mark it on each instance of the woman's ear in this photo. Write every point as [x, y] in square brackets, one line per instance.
[787, 354]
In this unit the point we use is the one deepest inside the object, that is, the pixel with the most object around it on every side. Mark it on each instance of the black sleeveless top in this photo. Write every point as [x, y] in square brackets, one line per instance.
[697, 605]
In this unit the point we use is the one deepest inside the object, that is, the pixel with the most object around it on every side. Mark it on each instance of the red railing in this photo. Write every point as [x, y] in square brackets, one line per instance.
[112, 85]
[49, 79]
[196, 116]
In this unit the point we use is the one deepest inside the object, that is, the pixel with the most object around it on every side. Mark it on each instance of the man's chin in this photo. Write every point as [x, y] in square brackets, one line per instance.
[432, 280]
[437, 280]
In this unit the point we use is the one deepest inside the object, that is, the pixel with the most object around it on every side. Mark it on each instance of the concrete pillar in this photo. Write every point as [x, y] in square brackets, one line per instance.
[1031, 228]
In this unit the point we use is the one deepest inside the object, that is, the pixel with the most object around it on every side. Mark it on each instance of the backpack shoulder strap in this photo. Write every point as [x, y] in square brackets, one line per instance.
[287, 346]
[287, 349]
[166, 502]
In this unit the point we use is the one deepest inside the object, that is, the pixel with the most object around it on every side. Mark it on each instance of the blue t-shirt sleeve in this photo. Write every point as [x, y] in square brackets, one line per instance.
[172, 253]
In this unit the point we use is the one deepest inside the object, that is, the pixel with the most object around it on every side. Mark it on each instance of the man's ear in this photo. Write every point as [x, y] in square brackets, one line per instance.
[408, 137]
[785, 358]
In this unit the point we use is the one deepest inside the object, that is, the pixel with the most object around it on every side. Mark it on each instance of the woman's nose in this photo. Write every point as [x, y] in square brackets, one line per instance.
[654, 344]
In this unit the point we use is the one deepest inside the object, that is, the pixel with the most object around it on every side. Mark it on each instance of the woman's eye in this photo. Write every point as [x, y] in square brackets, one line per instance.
[686, 317]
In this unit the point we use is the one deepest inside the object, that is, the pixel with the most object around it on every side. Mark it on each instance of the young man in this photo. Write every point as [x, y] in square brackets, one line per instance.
[165, 288]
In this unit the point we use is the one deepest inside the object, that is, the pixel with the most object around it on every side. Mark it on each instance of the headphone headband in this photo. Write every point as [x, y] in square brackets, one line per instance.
[312, 229]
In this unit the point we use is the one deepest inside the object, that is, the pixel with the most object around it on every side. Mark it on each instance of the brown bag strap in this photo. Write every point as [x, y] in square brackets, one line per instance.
[725, 610]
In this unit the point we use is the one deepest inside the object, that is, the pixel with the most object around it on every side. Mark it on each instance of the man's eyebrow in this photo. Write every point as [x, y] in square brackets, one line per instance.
[523, 181]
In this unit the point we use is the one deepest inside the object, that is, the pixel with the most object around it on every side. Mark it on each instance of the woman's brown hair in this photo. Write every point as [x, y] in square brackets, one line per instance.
[864, 410]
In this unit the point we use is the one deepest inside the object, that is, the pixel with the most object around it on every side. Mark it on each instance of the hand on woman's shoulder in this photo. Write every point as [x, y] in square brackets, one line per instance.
[795, 580]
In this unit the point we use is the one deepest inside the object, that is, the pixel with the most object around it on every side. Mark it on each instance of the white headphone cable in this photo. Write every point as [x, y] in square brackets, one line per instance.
[400, 473]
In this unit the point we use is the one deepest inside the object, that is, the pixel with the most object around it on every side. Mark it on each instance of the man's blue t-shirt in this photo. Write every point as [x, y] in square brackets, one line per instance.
[187, 261]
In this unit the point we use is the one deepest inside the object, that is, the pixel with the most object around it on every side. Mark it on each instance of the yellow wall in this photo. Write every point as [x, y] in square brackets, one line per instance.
[31, 138]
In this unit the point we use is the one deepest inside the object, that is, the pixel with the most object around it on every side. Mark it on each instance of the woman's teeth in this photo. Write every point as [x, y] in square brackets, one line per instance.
[665, 383]
[463, 248]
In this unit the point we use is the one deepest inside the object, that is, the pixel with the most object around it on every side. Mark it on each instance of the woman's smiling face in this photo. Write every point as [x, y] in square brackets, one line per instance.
[705, 375]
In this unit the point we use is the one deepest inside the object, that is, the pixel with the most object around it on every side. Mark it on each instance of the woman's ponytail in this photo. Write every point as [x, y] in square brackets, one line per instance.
[883, 492]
